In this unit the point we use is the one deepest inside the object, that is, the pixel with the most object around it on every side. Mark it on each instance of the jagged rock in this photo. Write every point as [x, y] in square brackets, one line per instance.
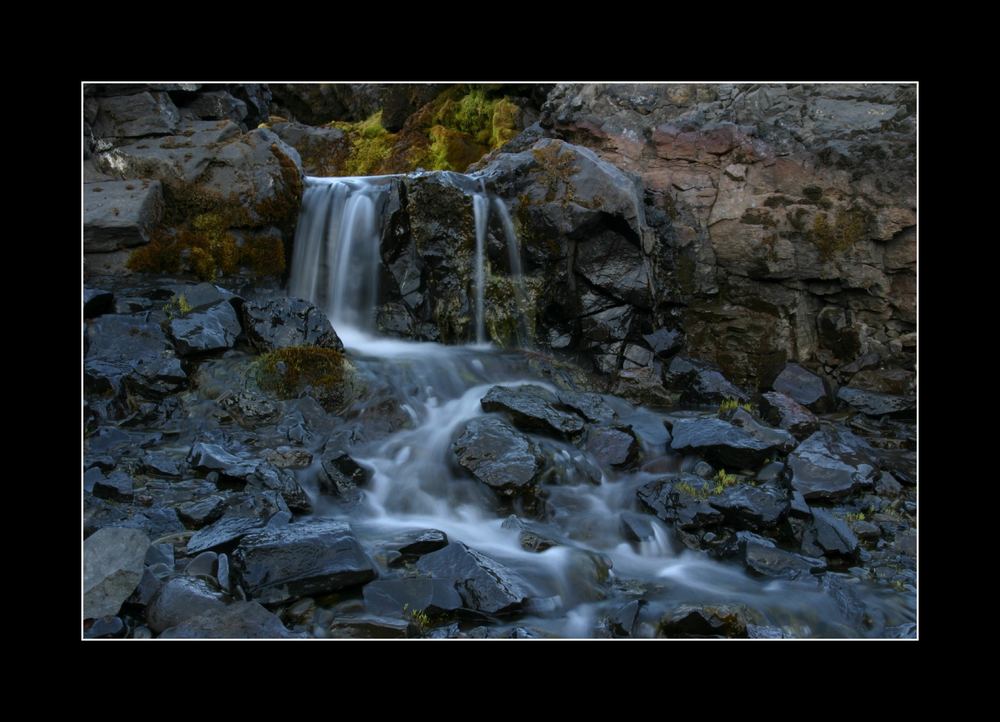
[117, 486]
[876, 404]
[804, 387]
[759, 507]
[252, 513]
[397, 597]
[213, 329]
[284, 322]
[533, 408]
[664, 342]
[132, 116]
[700, 382]
[726, 443]
[300, 559]
[498, 455]
[683, 500]
[216, 105]
[613, 445]
[341, 475]
[788, 414]
[831, 535]
[765, 559]
[483, 584]
[830, 464]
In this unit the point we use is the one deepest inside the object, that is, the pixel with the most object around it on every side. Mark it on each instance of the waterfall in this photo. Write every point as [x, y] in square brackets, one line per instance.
[481, 211]
[516, 274]
[336, 258]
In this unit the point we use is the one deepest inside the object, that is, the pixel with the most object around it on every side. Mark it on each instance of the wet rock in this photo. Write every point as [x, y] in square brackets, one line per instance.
[643, 386]
[664, 342]
[886, 485]
[160, 554]
[106, 628]
[213, 329]
[831, 535]
[252, 513]
[150, 584]
[155, 523]
[622, 622]
[724, 443]
[300, 559]
[112, 568]
[866, 530]
[610, 262]
[636, 527]
[780, 439]
[681, 499]
[129, 353]
[285, 457]
[788, 414]
[498, 455]
[159, 464]
[284, 322]
[222, 573]
[180, 599]
[398, 597]
[590, 406]
[758, 507]
[531, 536]
[483, 583]
[119, 214]
[876, 404]
[613, 445]
[700, 382]
[894, 381]
[765, 559]
[249, 408]
[533, 408]
[408, 546]
[830, 464]
[341, 475]
[283, 481]
[804, 387]
[197, 514]
[240, 620]
[721, 620]
[137, 115]
[96, 302]
[799, 507]
[117, 486]
[371, 628]
[212, 457]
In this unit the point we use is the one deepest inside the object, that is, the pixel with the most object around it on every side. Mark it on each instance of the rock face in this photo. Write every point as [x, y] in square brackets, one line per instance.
[119, 214]
[785, 214]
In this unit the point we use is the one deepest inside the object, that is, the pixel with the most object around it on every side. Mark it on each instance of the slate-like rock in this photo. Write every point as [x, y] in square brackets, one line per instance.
[483, 583]
[214, 329]
[533, 408]
[788, 414]
[873, 403]
[498, 455]
[180, 599]
[284, 322]
[804, 387]
[830, 464]
[112, 568]
[240, 620]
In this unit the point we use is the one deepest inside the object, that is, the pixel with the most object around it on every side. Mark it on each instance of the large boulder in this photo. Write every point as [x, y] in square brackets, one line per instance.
[533, 408]
[285, 322]
[830, 464]
[137, 115]
[499, 456]
[483, 584]
[241, 620]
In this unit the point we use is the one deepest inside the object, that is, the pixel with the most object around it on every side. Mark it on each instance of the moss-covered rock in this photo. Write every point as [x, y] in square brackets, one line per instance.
[288, 372]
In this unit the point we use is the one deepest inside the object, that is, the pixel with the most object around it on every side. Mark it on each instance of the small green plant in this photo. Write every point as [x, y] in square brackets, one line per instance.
[177, 306]
[729, 404]
[418, 617]
[723, 481]
[859, 516]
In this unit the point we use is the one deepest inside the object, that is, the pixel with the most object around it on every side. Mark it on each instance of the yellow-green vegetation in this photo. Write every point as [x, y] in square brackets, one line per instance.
[419, 617]
[832, 238]
[729, 404]
[451, 132]
[370, 145]
[723, 481]
[206, 247]
[859, 516]
[288, 371]
[177, 306]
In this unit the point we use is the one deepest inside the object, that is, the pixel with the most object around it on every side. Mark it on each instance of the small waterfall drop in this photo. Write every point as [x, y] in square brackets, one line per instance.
[516, 274]
[481, 211]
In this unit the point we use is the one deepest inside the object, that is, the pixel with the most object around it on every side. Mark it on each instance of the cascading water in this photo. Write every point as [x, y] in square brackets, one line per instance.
[595, 568]
[516, 273]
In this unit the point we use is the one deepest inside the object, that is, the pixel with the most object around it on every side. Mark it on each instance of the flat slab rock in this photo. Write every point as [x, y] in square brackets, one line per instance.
[119, 214]
[830, 464]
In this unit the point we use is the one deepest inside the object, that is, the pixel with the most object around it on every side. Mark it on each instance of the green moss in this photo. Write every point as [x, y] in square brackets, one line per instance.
[506, 122]
[732, 404]
[860, 516]
[177, 306]
[850, 226]
[289, 371]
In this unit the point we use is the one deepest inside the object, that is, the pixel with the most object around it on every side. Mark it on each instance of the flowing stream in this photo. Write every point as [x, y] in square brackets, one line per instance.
[595, 569]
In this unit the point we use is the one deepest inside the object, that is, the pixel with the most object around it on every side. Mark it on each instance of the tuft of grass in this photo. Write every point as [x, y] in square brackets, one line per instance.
[177, 306]
[729, 404]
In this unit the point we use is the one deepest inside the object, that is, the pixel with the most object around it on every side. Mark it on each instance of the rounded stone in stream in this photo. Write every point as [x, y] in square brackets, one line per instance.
[284, 322]
[106, 627]
[112, 568]
[533, 408]
[301, 559]
[203, 565]
[498, 455]
[180, 599]
[240, 620]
